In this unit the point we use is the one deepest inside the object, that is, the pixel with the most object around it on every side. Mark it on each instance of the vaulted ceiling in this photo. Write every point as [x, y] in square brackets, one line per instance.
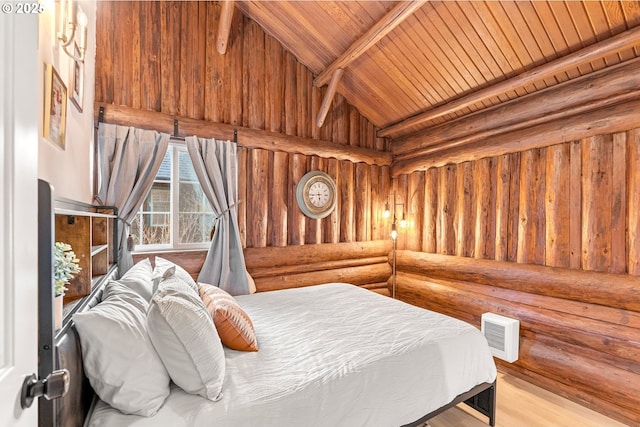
[411, 65]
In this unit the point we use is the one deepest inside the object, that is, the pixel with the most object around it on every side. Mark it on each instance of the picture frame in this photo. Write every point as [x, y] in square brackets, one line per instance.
[76, 85]
[55, 107]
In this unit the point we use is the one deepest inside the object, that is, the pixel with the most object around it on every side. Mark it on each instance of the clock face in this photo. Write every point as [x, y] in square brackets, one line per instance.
[316, 194]
[319, 194]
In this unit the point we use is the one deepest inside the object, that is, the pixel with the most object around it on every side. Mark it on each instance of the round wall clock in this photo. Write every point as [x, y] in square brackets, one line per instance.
[316, 194]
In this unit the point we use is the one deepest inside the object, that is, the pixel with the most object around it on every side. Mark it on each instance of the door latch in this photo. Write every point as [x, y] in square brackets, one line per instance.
[54, 386]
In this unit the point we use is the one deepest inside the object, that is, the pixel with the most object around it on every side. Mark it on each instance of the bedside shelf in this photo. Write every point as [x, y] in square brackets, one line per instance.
[90, 232]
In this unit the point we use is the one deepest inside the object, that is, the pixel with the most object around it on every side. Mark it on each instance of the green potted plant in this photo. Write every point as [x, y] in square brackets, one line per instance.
[66, 266]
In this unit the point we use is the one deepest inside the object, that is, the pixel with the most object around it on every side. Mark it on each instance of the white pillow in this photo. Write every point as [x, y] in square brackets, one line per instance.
[184, 336]
[139, 278]
[121, 363]
[162, 265]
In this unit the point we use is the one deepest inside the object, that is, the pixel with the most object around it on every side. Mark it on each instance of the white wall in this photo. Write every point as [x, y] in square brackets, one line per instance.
[70, 171]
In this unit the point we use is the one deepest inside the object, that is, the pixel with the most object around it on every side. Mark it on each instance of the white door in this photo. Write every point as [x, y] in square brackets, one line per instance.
[19, 108]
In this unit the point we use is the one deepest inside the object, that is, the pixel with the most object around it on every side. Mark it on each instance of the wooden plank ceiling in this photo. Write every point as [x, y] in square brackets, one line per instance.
[443, 50]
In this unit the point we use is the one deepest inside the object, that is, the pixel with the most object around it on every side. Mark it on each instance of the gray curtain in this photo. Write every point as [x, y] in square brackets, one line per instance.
[216, 165]
[128, 160]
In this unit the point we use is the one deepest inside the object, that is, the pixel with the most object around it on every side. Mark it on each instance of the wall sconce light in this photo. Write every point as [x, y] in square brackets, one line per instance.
[394, 235]
[387, 213]
[394, 231]
[71, 22]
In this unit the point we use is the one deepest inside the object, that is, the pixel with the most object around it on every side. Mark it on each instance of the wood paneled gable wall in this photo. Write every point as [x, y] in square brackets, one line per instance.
[173, 69]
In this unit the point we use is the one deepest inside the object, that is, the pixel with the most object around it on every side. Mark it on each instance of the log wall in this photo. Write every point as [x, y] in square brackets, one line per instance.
[530, 210]
[572, 205]
[360, 263]
[578, 329]
[548, 236]
[543, 232]
[157, 60]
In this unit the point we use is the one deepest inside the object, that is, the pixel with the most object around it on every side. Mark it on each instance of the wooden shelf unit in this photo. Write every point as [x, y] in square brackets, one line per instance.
[90, 232]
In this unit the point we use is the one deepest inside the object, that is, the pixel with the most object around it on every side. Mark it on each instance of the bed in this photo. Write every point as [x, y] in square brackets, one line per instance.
[329, 355]
[332, 355]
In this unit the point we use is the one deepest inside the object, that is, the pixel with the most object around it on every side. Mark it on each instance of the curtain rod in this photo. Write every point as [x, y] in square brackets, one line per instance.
[175, 135]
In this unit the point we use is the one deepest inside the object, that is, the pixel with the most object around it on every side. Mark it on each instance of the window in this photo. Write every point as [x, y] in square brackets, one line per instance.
[175, 214]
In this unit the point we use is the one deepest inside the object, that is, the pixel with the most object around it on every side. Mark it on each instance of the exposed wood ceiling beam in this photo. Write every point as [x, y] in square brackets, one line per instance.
[249, 138]
[224, 27]
[380, 29]
[598, 50]
[326, 102]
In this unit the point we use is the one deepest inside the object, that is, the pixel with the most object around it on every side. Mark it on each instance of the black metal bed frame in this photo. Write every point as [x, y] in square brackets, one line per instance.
[482, 398]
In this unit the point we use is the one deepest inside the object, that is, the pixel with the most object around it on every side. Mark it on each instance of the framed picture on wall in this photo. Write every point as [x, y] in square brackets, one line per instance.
[76, 86]
[55, 107]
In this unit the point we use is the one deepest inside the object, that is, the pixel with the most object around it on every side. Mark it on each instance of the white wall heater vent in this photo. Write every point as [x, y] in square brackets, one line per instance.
[502, 334]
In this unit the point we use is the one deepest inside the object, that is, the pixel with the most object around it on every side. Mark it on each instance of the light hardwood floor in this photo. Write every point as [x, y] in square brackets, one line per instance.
[521, 404]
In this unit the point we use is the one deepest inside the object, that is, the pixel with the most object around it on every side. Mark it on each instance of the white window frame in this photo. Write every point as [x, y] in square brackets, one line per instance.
[174, 203]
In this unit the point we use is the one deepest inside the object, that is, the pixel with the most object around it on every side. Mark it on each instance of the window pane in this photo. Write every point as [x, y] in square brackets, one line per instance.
[187, 173]
[194, 212]
[152, 225]
[164, 173]
[185, 201]
[151, 235]
[159, 198]
[195, 227]
[191, 198]
[156, 228]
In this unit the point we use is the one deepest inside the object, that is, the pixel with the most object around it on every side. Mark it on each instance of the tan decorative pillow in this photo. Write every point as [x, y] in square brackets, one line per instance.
[252, 284]
[233, 324]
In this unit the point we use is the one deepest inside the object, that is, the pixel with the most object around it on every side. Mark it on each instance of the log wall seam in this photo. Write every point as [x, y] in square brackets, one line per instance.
[589, 92]
[606, 120]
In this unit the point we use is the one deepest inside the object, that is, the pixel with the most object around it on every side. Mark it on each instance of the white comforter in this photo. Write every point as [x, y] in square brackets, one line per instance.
[332, 355]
